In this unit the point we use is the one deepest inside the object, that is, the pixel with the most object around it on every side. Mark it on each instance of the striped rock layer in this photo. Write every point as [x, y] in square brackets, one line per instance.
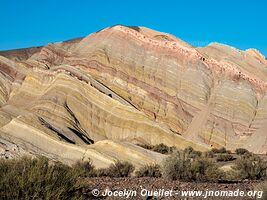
[97, 97]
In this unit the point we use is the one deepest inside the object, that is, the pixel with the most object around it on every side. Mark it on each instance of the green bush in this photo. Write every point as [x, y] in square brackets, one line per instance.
[28, 178]
[162, 148]
[149, 171]
[224, 157]
[214, 174]
[120, 169]
[84, 169]
[181, 166]
[102, 172]
[241, 151]
[232, 175]
[174, 167]
[191, 153]
[250, 166]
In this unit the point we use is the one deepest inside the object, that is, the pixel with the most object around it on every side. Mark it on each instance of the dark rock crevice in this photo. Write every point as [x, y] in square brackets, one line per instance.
[56, 130]
[78, 130]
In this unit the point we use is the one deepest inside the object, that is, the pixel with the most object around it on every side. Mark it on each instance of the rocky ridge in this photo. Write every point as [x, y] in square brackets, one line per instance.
[98, 96]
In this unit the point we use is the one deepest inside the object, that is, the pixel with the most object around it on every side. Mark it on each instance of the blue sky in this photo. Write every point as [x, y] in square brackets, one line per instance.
[239, 23]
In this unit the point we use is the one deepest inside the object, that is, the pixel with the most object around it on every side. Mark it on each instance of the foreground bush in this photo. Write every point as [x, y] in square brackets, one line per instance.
[28, 178]
[102, 172]
[149, 171]
[84, 169]
[119, 169]
[250, 166]
[180, 166]
[162, 148]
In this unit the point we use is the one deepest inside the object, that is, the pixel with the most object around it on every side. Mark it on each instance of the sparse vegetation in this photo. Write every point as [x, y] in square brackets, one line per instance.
[160, 148]
[84, 169]
[250, 166]
[119, 169]
[149, 171]
[192, 153]
[241, 151]
[214, 174]
[102, 172]
[209, 154]
[181, 166]
[224, 157]
[28, 178]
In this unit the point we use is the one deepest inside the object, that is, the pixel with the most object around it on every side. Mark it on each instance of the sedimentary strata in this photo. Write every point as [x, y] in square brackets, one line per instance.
[96, 97]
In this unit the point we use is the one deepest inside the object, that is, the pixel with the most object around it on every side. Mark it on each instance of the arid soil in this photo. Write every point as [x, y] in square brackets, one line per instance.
[160, 184]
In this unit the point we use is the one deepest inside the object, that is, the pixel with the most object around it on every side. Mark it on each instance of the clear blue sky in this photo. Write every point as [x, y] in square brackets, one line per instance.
[239, 23]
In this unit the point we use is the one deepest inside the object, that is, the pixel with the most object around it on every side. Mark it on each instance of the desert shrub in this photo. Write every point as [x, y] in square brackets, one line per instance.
[250, 166]
[191, 153]
[174, 166]
[209, 154]
[224, 157]
[84, 169]
[214, 174]
[120, 169]
[232, 175]
[220, 150]
[180, 166]
[241, 151]
[173, 149]
[161, 148]
[203, 169]
[149, 171]
[102, 172]
[36, 178]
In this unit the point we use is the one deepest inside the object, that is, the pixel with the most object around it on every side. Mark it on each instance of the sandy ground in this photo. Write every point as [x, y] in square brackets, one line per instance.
[161, 185]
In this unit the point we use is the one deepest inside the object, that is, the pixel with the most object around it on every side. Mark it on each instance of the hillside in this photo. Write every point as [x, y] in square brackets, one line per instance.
[97, 97]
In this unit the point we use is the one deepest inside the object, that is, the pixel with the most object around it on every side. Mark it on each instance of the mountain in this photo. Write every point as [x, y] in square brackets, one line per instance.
[99, 96]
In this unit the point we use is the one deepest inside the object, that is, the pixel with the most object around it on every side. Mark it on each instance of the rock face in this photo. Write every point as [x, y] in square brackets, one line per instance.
[96, 97]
